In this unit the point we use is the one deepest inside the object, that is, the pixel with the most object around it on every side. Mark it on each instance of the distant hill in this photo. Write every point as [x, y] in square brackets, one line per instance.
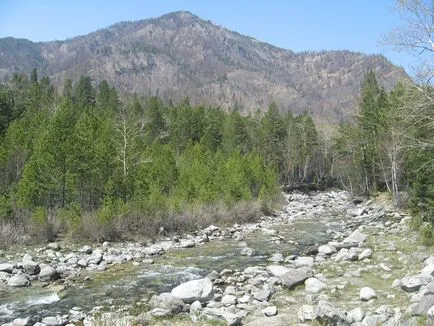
[179, 55]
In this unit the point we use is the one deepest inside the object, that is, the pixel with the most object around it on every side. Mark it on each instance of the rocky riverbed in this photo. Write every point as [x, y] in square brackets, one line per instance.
[324, 259]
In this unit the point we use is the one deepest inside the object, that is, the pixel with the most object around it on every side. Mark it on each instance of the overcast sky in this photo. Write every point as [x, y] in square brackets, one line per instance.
[297, 25]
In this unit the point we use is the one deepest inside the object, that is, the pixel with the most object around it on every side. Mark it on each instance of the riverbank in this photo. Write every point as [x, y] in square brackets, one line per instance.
[369, 269]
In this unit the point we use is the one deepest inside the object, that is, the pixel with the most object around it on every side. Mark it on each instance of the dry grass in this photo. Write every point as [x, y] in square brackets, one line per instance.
[90, 226]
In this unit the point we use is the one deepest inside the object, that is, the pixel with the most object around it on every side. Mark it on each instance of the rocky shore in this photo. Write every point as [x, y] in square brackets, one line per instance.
[372, 271]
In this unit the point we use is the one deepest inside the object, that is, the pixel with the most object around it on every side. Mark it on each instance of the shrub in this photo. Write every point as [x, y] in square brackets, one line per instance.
[426, 232]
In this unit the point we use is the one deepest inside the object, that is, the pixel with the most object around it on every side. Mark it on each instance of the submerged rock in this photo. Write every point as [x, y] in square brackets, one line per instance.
[246, 251]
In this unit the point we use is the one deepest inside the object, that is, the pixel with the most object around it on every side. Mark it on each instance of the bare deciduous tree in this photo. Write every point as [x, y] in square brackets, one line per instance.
[416, 35]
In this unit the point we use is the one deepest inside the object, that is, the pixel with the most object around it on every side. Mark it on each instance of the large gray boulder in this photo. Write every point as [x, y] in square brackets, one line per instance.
[326, 249]
[426, 302]
[355, 238]
[19, 280]
[330, 315]
[314, 285]
[169, 302]
[48, 273]
[367, 293]
[278, 270]
[415, 282]
[95, 258]
[7, 267]
[200, 290]
[29, 266]
[355, 315]
[294, 277]
[304, 261]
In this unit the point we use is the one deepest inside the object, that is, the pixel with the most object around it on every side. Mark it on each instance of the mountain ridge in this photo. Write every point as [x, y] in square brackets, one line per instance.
[180, 55]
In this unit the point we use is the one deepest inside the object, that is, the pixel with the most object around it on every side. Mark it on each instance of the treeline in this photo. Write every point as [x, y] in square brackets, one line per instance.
[83, 161]
[390, 147]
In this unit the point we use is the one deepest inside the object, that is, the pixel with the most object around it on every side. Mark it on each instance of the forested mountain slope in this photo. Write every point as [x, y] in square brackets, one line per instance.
[180, 55]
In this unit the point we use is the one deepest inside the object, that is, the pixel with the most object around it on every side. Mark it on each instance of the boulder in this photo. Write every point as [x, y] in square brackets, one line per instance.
[230, 318]
[262, 294]
[342, 255]
[306, 313]
[229, 300]
[4, 276]
[47, 274]
[53, 246]
[414, 283]
[160, 312]
[304, 261]
[278, 270]
[95, 258]
[355, 315]
[153, 250]
[330, 315]
[168, 302]
[326, 249]
[366, 254]
[373, 320]
[246, 251]
[294, 277]
[367, 293]
[7, 267]
[187, 243]
[270, 311]
[200, 290]
[87, 249]
[29, 266]
[314, 285]
[277, 258]
[54, 321]
[19, 280]
[355, 238]
[428, 270]
[424, 305]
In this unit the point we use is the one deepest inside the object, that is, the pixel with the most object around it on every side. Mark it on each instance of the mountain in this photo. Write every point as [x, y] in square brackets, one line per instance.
[179, 55]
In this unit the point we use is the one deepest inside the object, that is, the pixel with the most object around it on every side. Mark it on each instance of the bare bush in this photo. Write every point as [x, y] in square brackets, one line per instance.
[11, 234]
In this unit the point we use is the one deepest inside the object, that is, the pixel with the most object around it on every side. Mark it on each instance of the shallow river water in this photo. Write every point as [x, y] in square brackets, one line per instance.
[126, 283]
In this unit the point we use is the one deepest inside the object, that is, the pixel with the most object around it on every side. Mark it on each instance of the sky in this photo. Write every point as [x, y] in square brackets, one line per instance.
[298, 25]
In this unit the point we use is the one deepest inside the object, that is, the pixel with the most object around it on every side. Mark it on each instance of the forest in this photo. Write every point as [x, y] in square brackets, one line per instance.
[89, 163]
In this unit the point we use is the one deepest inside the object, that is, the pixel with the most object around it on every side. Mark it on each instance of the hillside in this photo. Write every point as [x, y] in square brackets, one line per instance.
[179, 55]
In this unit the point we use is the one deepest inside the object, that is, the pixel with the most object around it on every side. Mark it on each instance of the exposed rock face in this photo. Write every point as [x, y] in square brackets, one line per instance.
[180, 55]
